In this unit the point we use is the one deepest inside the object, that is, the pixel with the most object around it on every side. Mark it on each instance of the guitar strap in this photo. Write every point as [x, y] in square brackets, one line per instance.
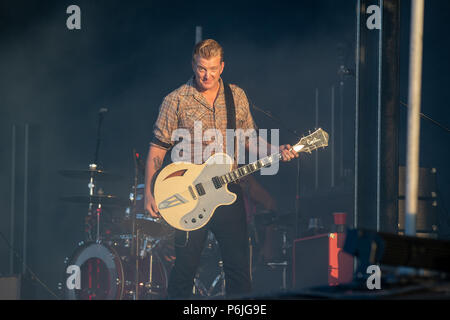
[231, 109]
[231, 121]
[231, 113]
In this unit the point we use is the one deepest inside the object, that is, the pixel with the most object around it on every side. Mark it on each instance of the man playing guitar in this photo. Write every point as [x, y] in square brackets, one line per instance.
[202, 98]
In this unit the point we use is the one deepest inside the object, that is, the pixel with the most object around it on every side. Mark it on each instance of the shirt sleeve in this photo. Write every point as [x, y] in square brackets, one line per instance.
[166, 123]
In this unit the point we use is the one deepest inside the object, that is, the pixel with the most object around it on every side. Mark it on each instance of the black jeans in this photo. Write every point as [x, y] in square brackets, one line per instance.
[229, 226]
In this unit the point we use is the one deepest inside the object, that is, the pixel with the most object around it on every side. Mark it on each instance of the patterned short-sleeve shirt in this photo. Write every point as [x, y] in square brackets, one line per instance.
[186, 108]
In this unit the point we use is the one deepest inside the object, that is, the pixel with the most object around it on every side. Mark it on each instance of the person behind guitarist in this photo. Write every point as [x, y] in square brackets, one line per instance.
[202, 99]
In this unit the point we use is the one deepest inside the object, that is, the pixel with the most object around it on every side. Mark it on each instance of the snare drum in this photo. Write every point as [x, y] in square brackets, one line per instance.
[156, 228]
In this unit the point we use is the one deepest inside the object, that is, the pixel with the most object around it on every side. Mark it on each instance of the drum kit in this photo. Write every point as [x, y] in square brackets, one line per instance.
[124, 258]
[130, 257]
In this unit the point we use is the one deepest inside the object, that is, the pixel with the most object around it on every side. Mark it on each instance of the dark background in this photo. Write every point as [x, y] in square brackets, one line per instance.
[129, 55]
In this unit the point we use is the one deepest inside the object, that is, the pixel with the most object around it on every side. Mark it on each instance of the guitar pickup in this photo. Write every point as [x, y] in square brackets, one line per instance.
[200, 189]
[216, 182]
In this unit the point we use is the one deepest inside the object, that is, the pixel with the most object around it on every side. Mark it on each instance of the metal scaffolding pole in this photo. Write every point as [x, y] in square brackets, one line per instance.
[414, 97]
[332, 136]
[13, 199]
[25, 198]
[198, 34]
[316, 163]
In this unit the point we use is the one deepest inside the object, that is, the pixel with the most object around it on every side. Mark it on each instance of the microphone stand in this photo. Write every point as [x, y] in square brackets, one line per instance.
[275, 119]
[93, 167]
[297, 135]
[101, 114]
[134, 233]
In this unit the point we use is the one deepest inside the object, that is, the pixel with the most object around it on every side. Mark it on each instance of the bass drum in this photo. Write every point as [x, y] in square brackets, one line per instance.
[108, 273]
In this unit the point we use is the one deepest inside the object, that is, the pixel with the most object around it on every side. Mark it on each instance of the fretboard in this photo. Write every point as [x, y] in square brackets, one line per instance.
[250, 168]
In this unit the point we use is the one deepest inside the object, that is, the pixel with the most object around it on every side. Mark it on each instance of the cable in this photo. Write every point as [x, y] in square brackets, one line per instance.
[272, 117]
[33, 275]
[429, 119]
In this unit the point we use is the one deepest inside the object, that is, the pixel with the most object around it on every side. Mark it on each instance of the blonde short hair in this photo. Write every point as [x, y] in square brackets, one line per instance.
[206, 49]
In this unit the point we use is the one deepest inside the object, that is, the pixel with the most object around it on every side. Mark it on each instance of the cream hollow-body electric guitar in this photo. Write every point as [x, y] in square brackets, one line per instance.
[187, 194]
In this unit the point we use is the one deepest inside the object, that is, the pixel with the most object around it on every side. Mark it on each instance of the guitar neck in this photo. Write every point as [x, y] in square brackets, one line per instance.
[313, 141]
[248, 169]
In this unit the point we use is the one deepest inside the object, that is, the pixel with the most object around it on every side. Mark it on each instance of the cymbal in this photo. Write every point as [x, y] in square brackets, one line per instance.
[86, 174]
[103, 199]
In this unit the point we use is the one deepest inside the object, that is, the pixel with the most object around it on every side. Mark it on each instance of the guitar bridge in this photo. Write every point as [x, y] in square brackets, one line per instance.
[172, 201]
[192, 193]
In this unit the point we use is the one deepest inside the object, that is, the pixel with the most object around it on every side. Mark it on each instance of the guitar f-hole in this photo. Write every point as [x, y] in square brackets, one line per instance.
[178, 173]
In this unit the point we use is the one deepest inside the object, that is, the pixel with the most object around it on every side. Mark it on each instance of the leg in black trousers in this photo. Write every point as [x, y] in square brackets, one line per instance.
[230, 229]
[188, 249]
[229, 226]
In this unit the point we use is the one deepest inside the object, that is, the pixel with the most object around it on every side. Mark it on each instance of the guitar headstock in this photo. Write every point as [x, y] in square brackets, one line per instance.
[313, 141]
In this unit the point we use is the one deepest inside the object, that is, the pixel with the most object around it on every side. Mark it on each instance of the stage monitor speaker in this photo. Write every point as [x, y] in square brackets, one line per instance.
[10, 288]
[373, 247]
[427, 182]
[319, 261]
[426, 219]
[427, 210]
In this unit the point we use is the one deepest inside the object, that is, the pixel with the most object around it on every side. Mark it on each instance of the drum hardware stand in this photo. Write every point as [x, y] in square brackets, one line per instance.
[135, 231]
[149, 285]
[135, 243]
[218, 280]
[98, 211]
[200, 288]
[250, 247]
[149, 248]
[91, 185]
[284, 264]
